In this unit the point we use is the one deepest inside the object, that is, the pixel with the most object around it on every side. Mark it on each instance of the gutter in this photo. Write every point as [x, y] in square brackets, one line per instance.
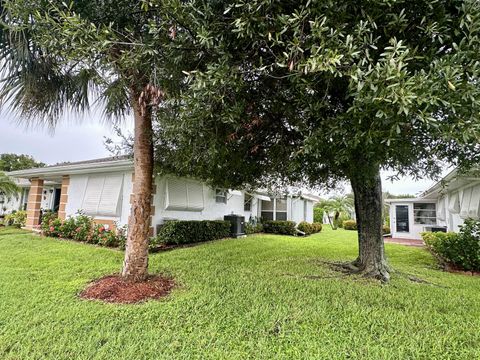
[59, 170]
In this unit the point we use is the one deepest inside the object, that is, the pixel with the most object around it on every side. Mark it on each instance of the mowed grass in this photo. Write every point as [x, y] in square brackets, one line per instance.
[262, 297]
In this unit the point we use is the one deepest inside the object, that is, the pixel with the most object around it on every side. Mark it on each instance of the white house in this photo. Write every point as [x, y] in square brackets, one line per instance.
[101, 188]
[443, 207]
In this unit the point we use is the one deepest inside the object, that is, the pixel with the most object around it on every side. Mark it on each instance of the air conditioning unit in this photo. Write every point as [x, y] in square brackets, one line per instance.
[237, 228]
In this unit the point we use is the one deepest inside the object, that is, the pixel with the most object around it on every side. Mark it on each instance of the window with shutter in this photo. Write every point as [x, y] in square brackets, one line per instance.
[102, 195]
[467, 194]
[176, 195]
[473, 209]
[194, 196]
[92, 195]
[109, 200]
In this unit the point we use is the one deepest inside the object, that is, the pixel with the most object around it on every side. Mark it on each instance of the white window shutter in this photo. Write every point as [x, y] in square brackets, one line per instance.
[454, 203]
[176, 195]
[195, 196]
[467, 194]
[92, 195]
[441, 209]
[473, 209]
[112, 189]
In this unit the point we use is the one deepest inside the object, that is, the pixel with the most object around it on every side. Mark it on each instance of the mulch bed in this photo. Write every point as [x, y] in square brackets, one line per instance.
[114, 289]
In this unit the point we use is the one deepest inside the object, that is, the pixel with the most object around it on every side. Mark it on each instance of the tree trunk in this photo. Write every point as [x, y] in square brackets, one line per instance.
[367, 188]
[135, 265]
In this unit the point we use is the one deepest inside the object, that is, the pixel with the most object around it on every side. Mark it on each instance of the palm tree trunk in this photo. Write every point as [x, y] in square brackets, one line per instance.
[135, 265]
[371, 260]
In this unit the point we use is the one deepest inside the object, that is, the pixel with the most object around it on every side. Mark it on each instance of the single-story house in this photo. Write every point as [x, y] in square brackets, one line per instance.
[443, 207]
[102, 188]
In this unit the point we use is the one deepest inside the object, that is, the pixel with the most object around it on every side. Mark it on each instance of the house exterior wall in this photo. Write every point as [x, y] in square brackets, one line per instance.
[446, 217]
[211, 209]
[414, 229]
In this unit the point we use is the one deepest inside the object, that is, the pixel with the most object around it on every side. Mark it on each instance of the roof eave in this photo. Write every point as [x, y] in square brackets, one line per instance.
[74, 169]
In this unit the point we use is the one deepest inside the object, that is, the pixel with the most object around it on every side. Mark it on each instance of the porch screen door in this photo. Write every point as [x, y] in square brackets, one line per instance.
[401, 212]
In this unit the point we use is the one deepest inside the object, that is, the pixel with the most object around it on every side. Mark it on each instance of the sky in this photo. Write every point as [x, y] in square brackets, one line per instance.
[82, 138]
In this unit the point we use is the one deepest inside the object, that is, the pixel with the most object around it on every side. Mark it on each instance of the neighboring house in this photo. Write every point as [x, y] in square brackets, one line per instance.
[102, 188]
[443, 207]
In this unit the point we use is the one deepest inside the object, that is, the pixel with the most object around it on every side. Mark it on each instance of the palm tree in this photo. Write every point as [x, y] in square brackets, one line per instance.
[8, 188]
[337, 205]
[55, 57]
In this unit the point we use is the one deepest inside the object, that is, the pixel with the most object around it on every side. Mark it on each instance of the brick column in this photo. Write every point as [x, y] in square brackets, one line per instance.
[63, 197]
[34, 203]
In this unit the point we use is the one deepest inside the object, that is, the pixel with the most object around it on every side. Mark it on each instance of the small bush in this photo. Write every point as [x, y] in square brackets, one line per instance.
[253, 228]
[16, 218]
[282, 227]
[461, 250]
[309, 228]
[317, 227]
[306, 227]
[386, 229]
[350, 225]
[185, 232]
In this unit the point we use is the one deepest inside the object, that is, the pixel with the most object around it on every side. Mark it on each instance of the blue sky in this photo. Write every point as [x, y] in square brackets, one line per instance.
[81, 138]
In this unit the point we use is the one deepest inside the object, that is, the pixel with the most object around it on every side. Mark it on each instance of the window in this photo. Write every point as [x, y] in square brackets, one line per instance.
[424, 214]
[221, 196]
[183, 194]
[102, 195]
[275, 209]
[247, 203]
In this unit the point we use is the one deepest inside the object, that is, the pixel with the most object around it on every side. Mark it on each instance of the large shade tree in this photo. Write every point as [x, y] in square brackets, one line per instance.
[57, 56]
[322, 91]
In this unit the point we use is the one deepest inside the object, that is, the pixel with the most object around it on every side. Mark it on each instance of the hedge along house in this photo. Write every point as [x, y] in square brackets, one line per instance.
[102, 188]
[443, 207]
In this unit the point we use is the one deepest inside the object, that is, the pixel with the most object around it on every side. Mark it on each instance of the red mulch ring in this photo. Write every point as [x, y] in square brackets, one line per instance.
[114, 289]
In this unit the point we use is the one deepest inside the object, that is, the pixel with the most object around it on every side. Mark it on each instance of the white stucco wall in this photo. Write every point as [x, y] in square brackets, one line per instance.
[211, 211]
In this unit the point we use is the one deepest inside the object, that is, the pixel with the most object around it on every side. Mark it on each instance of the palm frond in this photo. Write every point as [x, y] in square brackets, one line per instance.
[8, 186]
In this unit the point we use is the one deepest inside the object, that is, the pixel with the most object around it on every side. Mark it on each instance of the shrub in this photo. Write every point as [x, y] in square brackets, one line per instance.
[253, 228]
[282, 227]
[184, 232]
[318, 215]
[461, 250]
[104, 237]
[16, 218]
[68, 228]
[309, 228]
[317, 227]
[386, 229]
[82, 228]
[350, 225]
[306, 227]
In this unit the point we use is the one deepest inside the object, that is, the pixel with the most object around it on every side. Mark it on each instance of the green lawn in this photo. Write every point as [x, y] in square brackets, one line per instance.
[263, 297]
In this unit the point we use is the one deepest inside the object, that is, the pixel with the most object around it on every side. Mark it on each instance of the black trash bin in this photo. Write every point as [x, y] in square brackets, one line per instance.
[237, 228]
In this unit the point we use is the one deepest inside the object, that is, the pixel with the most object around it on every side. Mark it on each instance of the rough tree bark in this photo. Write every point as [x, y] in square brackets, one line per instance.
[367, 188]
[135, 265]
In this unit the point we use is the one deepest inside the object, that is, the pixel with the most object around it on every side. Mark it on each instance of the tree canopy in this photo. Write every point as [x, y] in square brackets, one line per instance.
[316, 91]
[13, 162]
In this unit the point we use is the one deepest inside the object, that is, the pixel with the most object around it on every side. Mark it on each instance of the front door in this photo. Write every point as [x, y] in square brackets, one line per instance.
[402, 221]
[56, 199]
